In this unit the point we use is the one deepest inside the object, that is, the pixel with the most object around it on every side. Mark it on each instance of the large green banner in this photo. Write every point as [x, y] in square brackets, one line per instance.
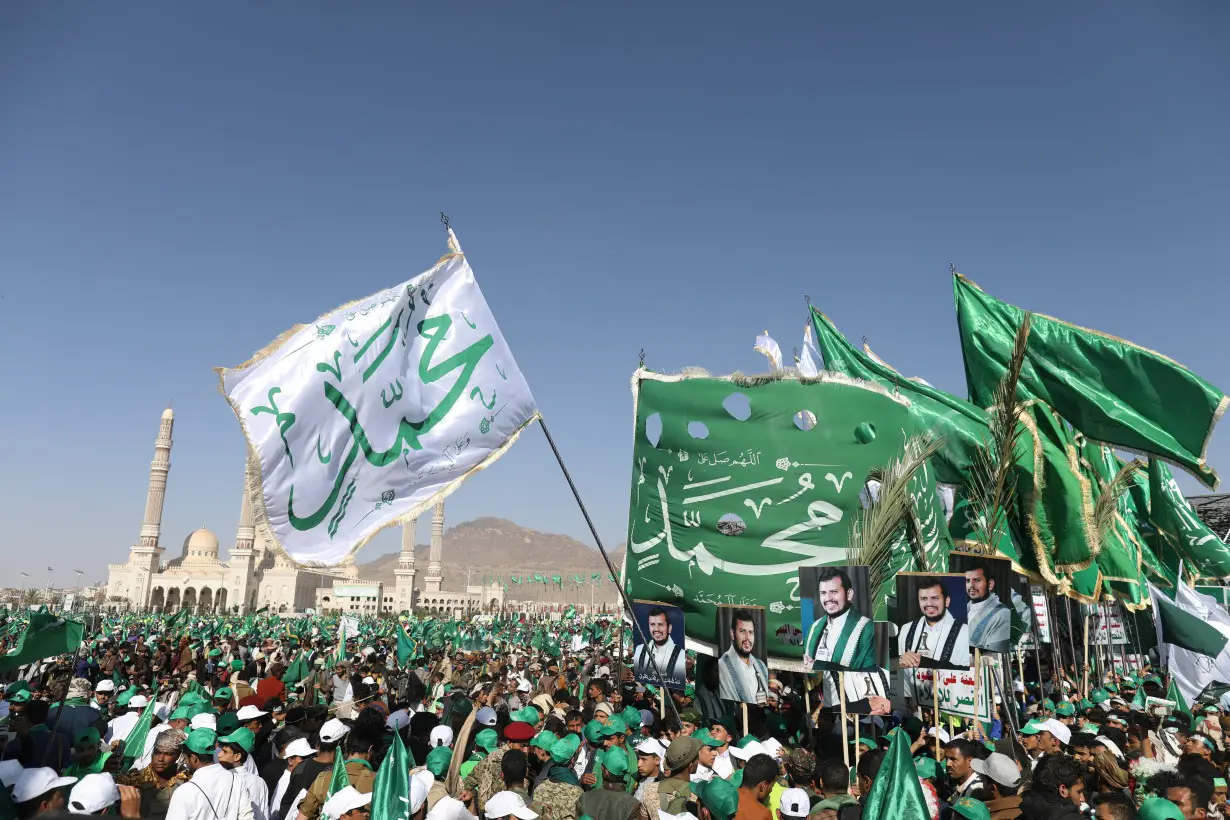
[737, 482]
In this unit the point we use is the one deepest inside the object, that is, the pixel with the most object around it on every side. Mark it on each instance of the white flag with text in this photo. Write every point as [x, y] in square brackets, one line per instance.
[369, 415]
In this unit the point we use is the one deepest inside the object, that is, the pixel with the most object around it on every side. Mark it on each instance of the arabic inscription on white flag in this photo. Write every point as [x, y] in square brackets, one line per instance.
[376, 410]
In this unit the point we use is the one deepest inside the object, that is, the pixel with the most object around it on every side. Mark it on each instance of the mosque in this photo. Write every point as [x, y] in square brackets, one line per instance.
[256, 574]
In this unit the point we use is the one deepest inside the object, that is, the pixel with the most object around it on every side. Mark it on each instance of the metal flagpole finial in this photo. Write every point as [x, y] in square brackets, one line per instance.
[952, 268]
[444, 219]
[641, 363]
[807, 299]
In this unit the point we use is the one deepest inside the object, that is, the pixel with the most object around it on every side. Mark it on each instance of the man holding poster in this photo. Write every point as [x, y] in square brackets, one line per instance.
[841, 638]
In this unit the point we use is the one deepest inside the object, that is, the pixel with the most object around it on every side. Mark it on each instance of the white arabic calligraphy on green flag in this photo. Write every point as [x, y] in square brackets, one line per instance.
[372, 413]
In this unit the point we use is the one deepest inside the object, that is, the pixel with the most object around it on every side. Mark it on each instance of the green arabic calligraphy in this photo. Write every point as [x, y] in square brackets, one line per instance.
[335, 368]
[409, 432]
[325, 458]
[395, 390]
[283, 420]
[478, 391]
[384, 352]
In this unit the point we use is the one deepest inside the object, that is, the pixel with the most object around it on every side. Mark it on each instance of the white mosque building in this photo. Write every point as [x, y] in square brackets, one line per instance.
[256, 574]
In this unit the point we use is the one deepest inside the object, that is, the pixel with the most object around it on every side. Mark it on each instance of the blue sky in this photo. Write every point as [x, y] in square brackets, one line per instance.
[179, 183]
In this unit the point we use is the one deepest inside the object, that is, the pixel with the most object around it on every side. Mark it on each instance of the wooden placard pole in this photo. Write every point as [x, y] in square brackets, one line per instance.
[744, 718]
[935, 708]
[1085, 691]
[977, 690]
[845, 737]
[857, 732]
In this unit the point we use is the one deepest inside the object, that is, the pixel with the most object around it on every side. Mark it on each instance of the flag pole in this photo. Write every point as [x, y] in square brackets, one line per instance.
[653, 662]
[845, 737]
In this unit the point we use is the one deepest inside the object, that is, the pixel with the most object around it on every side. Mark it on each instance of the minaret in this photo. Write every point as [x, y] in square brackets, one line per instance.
[145, 554]
[239, 574]
[404, 574]
[437, 545]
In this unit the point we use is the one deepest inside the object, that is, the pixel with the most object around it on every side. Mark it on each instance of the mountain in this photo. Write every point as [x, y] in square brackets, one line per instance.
[491, 547]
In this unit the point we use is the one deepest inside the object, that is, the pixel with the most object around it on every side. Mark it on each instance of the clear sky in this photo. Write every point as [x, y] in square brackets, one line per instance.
[180, 182]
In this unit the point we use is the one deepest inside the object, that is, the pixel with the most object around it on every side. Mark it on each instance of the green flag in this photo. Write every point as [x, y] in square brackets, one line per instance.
[45, 636]
[339, 780]
[1178, 531]
[1178, 627]
[406, 647]
[1172, 693]
[391, 791]
[134, 744]
[896, 792]
[297, 671]
[1111, 390]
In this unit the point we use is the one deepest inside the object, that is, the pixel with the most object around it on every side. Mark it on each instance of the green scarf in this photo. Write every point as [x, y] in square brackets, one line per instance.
[563, 774]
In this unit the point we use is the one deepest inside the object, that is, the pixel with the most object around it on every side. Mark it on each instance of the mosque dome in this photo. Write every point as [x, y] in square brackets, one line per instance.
[201, 545]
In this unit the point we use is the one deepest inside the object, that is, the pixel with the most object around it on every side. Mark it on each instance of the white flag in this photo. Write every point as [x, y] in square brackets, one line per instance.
[809, 361]
[1190, 671]
[1210, 611]
[771, 350]
[364, 418]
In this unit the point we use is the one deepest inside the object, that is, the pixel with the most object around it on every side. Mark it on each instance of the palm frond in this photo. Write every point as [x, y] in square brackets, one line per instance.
[877, 533]
[992, 491]
[1107, 505]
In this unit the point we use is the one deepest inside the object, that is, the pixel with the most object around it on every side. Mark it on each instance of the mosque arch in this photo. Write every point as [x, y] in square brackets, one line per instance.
[207, 600]
[157, 598]
[173, 599]
[222, 600]
[189, 599]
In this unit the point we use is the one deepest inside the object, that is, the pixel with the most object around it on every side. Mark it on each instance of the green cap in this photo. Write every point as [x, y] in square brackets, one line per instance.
[181, 713]
[88, 736]
[527, 714]
[1159, 808]
[593, 731]
[747, 740]
[215, 652]
[709, 740]
[614, 726]
[1099, 696]
[615, 761]
[868, 743]
[1112, 687]
[689, 716]
[926, 768]
[563, 749]
[689, 690]
[227, 723]
[243, 738]
[1048, 704]
[970, 808]
[487, 739]
[462, 706]
[15, 687]
[736, 779]
[438, 760]
[224, 693]
[20, 696]
[191, 699]
[1219, 782]
[632, 717]
[544, 740]
[201, 741]
[1065, 710]
[124, 697]
[719, 796]
[1032, 727]
[236, 664]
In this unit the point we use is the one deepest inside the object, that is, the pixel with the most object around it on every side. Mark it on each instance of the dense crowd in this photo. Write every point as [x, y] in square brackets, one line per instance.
[277, 728]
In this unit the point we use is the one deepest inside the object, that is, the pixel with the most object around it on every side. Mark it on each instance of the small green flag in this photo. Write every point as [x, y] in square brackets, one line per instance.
[45, 636]
[391, 791]
[896, 791]
[340, 779]
[406, 647]
[1172, 693]
[134, 744]
[1180, 628]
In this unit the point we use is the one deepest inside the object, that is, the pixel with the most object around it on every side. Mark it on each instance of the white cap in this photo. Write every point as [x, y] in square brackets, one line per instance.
[944, 737]
[161, 711]
[1062, 733]
[105, 685]
[138, 702]
[603, 672]
[651, 746]
[486, 716]
[92, 794]
[37, 782]
[687, 815]
[343, 801]
[999, 767]
[524, 686]
[10, 770]
[203, 721]
[449, 808]
[249, 713]
[772, 747]
[795, 803]
[398, 720]
[1018, 686]
[333, 731]
[441, 736]
[505, 804]
[605, 708]
[420, 784]
[369, 680]
[749, 751]
[299, 747]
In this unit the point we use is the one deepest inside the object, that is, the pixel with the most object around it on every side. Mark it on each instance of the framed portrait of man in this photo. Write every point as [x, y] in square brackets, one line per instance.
[932, 632]
[840, 635]
[989, 581]
[743, 670]
[663, 644]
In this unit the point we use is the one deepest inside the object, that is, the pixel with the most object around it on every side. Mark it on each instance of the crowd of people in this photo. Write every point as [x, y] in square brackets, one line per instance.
[278, 728]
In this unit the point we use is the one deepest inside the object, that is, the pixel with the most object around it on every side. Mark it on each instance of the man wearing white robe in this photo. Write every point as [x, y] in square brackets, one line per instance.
[936, 640]
[662, 649]
[742, 677]
[213, 793]
[990, 622]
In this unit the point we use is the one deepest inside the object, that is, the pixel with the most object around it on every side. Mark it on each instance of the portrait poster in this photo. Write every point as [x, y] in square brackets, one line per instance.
[837, 607]
[989, 582]
[662, 626]
[743, 671]
[932, 632]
